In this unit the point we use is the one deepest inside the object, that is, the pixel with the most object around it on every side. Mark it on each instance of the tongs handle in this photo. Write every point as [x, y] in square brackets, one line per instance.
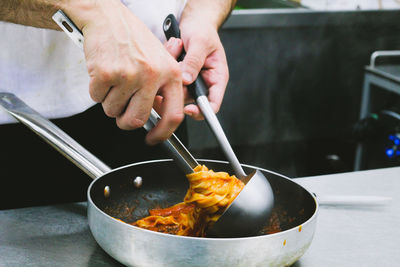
[199, 92]
[173, 145]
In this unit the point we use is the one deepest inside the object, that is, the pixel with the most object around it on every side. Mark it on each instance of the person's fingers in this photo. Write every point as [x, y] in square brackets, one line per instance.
[215, 97]
[174, 47]
[114, 104]
[157, 105]
[191, 65]
[138, 110]
[193, 111]
[118, 97]
[116, 101]
[216, 80]
[99, 85]
[171, 112]
[215, 76]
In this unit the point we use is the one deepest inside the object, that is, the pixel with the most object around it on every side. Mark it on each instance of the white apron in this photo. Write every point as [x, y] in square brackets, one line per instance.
[47, 71]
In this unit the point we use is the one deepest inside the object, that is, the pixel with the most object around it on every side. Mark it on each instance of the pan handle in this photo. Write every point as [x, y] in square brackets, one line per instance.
[53, 135]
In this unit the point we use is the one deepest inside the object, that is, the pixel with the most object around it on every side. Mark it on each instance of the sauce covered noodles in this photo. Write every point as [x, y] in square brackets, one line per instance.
[209, 194]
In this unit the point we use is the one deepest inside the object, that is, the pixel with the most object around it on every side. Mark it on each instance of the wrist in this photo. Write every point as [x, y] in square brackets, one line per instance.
[211, 12]
[199, 20]
[81, 12]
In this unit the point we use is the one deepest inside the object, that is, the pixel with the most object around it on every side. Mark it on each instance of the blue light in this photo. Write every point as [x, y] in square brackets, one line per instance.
[398, 153]
[397, 141]
[389, 152]
[392, 137]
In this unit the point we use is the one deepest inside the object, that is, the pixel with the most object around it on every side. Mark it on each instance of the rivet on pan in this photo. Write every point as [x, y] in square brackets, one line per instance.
[138, 181]
[107, 191]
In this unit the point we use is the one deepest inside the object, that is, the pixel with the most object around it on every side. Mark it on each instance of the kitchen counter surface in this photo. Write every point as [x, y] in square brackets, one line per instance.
[355, 235]
[346, 235]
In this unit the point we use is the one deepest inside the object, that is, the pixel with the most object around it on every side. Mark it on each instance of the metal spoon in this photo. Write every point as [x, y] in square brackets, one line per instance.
[249, 212]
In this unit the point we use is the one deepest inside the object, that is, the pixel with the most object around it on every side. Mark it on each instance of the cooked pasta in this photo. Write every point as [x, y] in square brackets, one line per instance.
[209, 194]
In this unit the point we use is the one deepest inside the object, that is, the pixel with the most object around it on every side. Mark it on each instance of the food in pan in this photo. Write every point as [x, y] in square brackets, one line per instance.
[209, 194]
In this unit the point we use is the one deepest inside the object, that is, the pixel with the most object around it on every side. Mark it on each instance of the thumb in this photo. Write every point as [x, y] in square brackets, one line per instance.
[193, 62]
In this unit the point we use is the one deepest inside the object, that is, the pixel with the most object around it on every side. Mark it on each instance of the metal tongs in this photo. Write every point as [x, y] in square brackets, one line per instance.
[249, 212]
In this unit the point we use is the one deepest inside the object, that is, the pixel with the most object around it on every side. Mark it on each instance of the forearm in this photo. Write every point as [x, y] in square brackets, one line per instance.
[38, 13]
[213, 11]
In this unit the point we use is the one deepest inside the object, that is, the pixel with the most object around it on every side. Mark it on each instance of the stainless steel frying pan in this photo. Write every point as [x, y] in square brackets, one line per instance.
[116, 194]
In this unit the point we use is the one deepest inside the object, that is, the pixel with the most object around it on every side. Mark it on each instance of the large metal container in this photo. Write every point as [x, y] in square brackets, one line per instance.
[163, 186]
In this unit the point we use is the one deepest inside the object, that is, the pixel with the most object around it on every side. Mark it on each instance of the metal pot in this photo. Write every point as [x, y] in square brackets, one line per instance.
[116, 195]
[164, 185]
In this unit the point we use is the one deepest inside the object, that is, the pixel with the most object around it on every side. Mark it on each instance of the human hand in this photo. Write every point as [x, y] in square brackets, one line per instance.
[128, 67]
[205, 55]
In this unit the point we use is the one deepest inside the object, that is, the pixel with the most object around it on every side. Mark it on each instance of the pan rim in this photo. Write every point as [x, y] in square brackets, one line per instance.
[203, 239]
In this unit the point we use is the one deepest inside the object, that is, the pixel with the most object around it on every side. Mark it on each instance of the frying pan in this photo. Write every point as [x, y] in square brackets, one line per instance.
[116, 195]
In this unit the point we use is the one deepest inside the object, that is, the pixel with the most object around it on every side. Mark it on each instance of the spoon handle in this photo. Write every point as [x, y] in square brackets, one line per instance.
[199, 92]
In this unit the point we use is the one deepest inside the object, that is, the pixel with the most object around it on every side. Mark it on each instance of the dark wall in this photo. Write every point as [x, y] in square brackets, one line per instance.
[295, 88]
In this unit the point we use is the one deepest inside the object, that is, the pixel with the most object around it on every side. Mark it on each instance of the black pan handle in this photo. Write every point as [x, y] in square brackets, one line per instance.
[171, 29]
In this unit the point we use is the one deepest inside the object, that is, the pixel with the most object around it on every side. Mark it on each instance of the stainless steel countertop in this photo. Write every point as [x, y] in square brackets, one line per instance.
[356, 236]
[346, 236]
